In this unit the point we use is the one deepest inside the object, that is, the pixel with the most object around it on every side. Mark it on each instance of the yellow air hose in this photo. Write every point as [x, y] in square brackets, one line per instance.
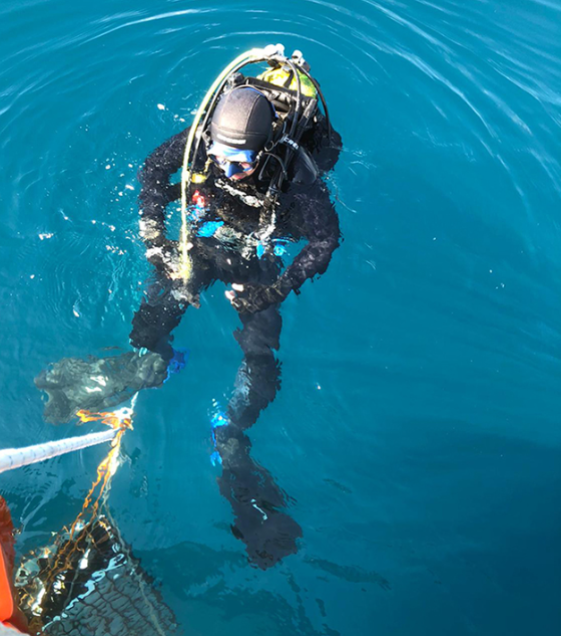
[254, 55]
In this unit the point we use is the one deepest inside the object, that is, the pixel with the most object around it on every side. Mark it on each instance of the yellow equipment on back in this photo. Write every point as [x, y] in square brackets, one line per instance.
[279, 77]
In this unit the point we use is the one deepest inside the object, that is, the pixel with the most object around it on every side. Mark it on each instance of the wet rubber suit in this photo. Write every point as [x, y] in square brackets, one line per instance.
[225, 249]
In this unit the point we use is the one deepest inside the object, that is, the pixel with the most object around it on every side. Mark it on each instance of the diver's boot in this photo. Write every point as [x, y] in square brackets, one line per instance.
[97, 384]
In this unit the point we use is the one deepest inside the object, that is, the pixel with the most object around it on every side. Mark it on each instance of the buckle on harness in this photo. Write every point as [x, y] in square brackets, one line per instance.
[285, 139]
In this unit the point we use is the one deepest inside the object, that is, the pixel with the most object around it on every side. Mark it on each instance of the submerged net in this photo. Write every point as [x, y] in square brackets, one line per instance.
[88, 583]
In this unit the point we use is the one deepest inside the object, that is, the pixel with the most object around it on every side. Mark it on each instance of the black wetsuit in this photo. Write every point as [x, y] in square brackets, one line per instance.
[225, 248]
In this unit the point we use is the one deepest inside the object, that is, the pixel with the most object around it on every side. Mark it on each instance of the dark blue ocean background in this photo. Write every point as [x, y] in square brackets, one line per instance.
[418, 426]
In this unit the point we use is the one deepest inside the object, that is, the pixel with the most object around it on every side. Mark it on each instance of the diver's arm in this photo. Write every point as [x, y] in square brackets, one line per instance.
[323, 233]
[156, 191]
[321, 228]
[324, 145]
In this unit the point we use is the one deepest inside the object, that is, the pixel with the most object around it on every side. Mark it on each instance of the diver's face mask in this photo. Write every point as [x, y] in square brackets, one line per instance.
[234, 163]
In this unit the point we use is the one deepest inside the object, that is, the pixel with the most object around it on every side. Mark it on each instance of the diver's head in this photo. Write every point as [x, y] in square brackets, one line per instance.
[241, 125]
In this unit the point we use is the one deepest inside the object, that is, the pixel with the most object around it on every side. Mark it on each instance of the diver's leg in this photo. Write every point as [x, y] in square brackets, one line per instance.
[256, 500]
[258, 378]
[159, 314]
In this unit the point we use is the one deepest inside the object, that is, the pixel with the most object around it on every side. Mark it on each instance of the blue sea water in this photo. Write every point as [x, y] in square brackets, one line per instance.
[418, 426]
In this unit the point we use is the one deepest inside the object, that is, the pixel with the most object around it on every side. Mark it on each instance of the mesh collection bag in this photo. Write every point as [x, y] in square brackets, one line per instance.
[90, 584]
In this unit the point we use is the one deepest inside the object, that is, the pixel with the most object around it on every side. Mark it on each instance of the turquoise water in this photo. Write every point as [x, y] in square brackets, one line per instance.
[417, 429]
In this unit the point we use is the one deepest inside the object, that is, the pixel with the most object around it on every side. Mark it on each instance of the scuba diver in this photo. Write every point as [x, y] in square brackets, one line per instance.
[256, 166]
[251, 186]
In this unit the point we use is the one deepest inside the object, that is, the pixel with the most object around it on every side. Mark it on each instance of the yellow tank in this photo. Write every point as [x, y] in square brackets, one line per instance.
[279, 76]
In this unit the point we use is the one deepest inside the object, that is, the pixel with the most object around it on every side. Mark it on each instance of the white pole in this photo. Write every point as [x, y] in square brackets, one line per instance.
[11, 458]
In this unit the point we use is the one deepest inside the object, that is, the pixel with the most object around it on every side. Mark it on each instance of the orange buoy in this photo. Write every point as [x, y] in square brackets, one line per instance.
[10, 616]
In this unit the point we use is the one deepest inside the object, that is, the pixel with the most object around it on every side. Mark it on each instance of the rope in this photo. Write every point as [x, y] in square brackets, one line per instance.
[11, 458]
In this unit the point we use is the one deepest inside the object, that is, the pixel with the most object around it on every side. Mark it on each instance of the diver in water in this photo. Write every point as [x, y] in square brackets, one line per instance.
[252, 198]
[255, 165]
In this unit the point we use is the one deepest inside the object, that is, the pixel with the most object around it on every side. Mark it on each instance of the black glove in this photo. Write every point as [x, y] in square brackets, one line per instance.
[163, 255]
[255, 297]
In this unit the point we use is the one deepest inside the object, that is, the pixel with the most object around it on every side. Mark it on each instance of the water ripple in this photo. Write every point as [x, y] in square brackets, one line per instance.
[448, 190]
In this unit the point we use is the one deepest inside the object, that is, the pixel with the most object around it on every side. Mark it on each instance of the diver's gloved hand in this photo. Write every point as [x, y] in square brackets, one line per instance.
[97, 384]
[253, 297]
[164, 256]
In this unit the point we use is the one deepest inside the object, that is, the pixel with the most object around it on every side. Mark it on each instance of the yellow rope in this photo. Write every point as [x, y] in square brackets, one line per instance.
[120, 421]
